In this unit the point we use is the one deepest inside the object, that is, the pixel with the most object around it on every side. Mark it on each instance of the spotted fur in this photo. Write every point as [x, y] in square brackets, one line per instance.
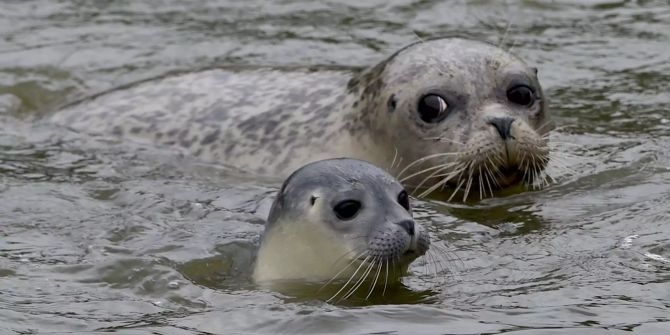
[272, 121]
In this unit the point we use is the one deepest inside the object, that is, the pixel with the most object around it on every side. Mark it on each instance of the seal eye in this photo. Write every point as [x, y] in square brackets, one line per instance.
[521, 95]
[432, 108]
[403, 200]
[347, 209]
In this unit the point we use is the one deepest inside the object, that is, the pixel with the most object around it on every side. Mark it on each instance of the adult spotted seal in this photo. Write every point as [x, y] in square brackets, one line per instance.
[443, 112]
[339, 219]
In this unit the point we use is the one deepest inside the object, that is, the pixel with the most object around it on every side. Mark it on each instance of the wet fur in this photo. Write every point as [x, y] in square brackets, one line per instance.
[271, 121]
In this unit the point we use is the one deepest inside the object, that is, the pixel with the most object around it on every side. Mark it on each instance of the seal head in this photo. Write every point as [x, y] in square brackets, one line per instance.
[338, 219]
[447, 112]
[458, 113]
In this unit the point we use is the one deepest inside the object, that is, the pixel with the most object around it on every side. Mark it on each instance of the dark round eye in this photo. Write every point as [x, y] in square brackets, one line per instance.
[521, 95]
[347, 209]
[403, 200]
[432, 108]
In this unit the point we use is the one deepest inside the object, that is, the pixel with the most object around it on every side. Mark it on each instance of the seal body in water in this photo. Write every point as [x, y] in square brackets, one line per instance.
[339, 220]
[449, 111]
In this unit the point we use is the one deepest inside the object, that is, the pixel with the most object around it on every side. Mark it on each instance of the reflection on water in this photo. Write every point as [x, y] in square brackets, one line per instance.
[99, 235]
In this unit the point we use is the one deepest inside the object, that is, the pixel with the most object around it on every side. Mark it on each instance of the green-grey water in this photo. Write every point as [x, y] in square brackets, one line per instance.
[99, 236]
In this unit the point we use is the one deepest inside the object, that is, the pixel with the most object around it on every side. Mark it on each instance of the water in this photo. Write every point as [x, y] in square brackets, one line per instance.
[103, 236]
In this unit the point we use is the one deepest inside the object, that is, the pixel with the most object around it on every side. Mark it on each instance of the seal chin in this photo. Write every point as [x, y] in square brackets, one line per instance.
[511, 166]
[509, 176]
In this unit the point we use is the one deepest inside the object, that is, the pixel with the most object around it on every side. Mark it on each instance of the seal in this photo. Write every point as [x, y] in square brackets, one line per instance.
[339, 220]
[448, 112]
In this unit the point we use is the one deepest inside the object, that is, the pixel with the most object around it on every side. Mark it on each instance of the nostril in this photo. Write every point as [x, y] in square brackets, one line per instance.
[408, 225]
[503, 126]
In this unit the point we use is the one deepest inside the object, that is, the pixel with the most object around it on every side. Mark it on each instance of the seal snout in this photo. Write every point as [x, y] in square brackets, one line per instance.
[503, 125]
[408, 226]
[402, 241]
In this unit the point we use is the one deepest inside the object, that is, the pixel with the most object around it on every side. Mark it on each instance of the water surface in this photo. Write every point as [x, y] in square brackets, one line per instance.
[103, 236]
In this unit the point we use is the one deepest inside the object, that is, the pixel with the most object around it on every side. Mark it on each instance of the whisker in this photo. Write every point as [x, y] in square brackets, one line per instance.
[350, 263]
[360, 282]
[456, 190]
[386, 278]
[481, 183]
[433, 175]
[534, 169]
[447, 255]
[372, 287]
[441, 183]
[348, 281]
[440, 257]
[423, 159]
[435, 264]
[426, 170]
[350, 251]
[560, 164]
[495, 169]
[395, 156]
[469, 184]
[489, 174]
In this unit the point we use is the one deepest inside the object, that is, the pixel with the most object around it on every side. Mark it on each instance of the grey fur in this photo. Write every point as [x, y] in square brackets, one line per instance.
[304, 232]
[333, 180]
[272, 121]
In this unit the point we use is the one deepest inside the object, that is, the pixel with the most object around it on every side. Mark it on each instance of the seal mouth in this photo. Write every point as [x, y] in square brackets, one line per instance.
[397, 256]
[484, 177]
[410, 253]
[509, 176]
[505, 176]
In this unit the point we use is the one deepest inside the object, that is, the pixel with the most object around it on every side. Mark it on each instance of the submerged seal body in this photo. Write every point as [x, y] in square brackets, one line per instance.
[449, 111]
[339, 219]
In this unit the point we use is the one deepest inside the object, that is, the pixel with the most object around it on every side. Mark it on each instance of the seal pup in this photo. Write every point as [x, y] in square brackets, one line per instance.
[339, 220]
[445, 112]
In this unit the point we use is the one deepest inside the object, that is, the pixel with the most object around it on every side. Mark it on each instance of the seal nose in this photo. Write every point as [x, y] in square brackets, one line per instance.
[503, 125]
[408, 225]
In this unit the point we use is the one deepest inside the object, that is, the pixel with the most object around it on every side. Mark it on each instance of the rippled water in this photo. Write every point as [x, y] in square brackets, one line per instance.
[103, 236]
